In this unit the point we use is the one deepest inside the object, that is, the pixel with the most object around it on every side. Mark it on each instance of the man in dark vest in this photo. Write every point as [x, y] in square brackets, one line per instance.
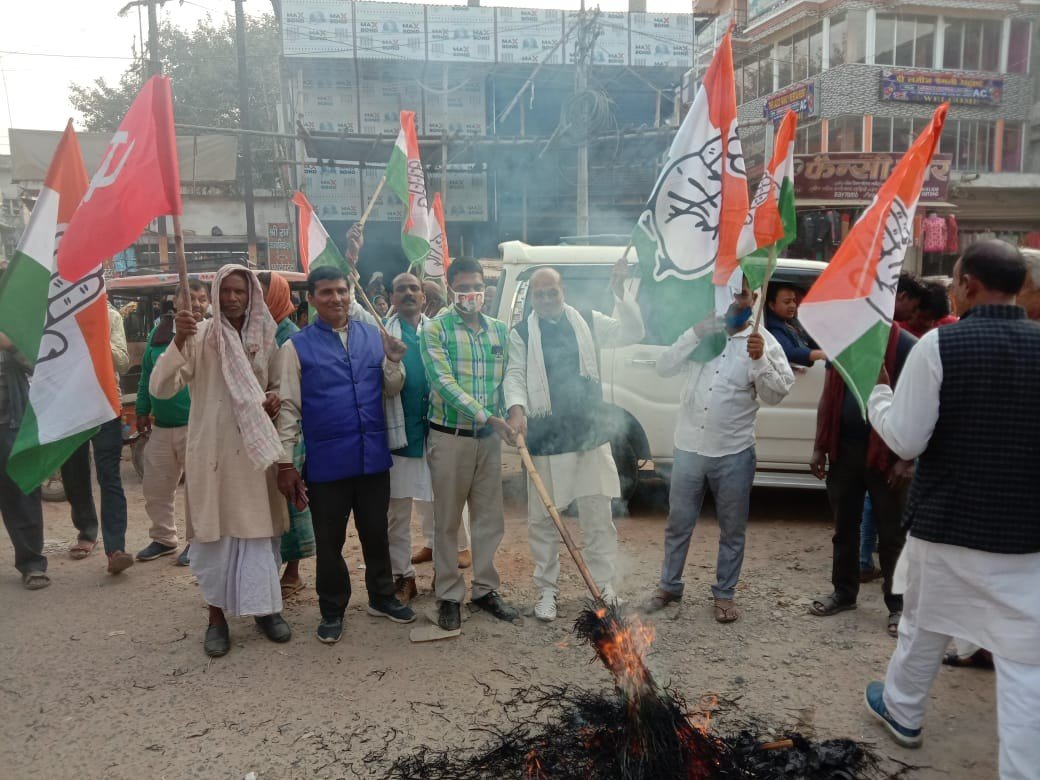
[333, 375]
[552, 389]
[966, 408]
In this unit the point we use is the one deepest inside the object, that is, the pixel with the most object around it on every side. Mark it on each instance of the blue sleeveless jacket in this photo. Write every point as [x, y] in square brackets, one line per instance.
[343, 420]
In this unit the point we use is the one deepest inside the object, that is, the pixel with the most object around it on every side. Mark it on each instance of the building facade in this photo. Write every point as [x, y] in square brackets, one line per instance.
[866, 77]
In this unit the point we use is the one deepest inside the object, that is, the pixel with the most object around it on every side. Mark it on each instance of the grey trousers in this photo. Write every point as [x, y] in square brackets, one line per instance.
[465, 469]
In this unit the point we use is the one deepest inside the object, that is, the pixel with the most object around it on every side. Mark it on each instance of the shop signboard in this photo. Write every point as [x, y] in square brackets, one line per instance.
[328, 97]
[661, 40]
[461, 110]
[461, 33]
[385, 93]
[857, 176]
[333, 190]
[801, 98]
[465, 195]
[280, 246]
[390, 31]
[317, 28]
[527, 35]
[935, 86]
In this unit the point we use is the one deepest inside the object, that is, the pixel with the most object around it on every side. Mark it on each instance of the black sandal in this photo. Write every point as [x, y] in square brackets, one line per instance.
[825, 606]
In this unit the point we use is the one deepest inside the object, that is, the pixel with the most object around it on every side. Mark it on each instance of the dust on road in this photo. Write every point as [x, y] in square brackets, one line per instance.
[105, 677]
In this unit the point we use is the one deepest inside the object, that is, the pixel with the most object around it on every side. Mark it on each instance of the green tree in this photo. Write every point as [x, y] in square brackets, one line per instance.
[203, 65]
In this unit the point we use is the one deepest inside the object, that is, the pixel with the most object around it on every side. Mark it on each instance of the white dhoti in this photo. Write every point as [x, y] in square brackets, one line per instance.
[410, 486]
[990, 600]
[590, 478]
[240, 576]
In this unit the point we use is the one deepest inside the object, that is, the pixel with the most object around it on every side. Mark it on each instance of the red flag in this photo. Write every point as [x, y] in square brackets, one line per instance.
[137, 181]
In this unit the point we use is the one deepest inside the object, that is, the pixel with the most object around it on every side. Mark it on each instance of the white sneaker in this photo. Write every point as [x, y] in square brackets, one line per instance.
[545, 609]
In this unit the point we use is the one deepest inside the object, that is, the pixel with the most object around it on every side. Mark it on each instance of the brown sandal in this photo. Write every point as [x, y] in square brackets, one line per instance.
[726, 611]
[81, 549]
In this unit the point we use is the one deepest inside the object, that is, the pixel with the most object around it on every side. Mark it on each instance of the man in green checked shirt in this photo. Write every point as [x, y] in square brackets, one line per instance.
[464, 354]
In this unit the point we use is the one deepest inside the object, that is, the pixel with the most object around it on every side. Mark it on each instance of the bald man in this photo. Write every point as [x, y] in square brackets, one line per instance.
[553, 392]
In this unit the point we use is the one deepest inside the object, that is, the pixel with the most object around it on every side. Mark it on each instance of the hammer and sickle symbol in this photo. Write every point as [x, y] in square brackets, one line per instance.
[104, 178]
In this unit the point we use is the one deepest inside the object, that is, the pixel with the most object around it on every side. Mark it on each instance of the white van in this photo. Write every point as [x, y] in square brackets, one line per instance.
[645, 404]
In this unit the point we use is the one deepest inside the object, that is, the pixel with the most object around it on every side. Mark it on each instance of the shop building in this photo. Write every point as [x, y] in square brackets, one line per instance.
[865, 79]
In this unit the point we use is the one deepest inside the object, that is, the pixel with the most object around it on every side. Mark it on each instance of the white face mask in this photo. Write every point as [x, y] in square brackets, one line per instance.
[469, 302]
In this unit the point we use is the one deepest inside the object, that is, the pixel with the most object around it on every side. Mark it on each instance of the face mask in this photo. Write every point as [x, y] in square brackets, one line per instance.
[736, 320]
[469, 302]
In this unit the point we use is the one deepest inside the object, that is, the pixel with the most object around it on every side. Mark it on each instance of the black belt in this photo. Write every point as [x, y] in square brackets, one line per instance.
[468, 433]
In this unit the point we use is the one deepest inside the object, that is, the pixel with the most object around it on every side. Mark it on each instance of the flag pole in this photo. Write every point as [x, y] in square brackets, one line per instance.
[765, 286]
[355, 276]
[182, 263]
[371, 203]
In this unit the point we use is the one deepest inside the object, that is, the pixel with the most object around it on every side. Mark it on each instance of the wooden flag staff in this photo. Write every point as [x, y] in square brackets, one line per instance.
[355, 276]
[182, 264]
[765, 286]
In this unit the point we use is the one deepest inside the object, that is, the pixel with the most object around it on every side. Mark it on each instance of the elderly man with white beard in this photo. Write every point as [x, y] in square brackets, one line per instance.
[555, 399]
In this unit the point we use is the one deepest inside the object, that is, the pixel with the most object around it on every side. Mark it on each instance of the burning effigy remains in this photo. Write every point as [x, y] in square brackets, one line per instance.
[638, 731]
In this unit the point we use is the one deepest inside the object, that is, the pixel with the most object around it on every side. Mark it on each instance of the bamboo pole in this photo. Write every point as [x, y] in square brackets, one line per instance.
[182, 264]
[355, 276]
[371, 203]
[572, 548]
[765, 286]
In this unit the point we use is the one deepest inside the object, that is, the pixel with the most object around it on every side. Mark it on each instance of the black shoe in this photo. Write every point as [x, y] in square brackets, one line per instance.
[449, 616]
[217, 642]
[155, 550]
[391, 608]
[330, 630]
[493, 603]
[274, 627]
[182, 559]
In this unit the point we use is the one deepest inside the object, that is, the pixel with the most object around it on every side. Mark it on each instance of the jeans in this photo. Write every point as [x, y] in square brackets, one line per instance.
[730, 478]
[22, 514]
[75, 474]
[368, 497]
[867, 536]
[848, 482]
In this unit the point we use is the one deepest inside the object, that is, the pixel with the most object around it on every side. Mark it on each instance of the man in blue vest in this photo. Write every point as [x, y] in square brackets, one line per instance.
[333, 376]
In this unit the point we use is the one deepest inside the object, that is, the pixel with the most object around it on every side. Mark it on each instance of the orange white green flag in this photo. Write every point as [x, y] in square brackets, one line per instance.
[771, 222]
[437, 261]
[849, 309]
[316, 248]
[404, 174]
[59, 327]
[687, 236]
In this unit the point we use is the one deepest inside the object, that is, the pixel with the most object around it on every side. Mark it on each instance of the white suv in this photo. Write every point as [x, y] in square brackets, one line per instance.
[645, 405]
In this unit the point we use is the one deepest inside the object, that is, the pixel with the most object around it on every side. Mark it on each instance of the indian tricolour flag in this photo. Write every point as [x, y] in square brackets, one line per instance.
[771, 221]
[404, 174]
[437, 261]
[316, 248]
[687, 236]
[849, 309]
[61, 328]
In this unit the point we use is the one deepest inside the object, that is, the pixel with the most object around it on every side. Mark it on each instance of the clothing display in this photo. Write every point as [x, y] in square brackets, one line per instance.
[934, 233]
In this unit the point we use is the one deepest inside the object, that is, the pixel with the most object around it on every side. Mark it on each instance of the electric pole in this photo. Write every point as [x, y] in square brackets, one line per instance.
[580, 85]
[245, 143]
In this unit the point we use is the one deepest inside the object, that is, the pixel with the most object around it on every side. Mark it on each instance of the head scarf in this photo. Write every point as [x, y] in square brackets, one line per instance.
[279, 298]
[242, 357]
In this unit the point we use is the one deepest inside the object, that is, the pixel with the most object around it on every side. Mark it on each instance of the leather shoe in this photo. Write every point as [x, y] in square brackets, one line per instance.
[493, 603]
[424, 555]
[405, 590]
[465, 559]
[217, 642]
[449, 616]
[274, 627]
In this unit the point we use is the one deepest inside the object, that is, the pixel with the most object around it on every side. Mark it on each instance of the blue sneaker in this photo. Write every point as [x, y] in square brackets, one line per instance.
[875, 699]
[330, 630]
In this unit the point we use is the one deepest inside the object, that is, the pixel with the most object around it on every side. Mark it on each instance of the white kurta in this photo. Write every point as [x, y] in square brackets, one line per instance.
[990, 599]
[410, 478]
[571, 475]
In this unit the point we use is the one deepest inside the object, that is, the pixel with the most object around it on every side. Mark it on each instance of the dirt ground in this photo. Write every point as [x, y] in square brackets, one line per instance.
[105, 677]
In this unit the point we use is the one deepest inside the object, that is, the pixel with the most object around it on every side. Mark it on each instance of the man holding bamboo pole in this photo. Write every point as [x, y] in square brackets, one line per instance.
[553, 392]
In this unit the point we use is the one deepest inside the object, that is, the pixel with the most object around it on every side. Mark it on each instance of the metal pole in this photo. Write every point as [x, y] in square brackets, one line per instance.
[245, 141]
[155, 69]
[580, 85]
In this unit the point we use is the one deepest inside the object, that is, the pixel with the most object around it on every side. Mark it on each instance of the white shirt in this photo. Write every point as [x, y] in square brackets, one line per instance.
[906, 418]
[719, 402]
